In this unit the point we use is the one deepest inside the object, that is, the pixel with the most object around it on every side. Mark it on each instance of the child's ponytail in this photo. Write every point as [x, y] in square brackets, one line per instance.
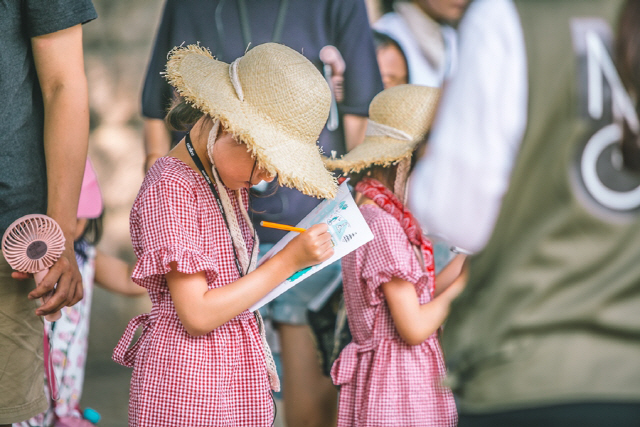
[182, 115]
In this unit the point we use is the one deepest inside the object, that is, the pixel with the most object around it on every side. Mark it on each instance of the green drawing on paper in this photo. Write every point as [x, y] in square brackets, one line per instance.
[338, 226]
[298, 274]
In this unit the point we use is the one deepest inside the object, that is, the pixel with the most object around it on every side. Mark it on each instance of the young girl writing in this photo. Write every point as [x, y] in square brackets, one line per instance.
[201, 360]
[391, 373]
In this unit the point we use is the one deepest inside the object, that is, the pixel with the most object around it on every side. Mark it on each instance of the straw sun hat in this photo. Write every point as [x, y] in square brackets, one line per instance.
[399, 118]
[273, 99]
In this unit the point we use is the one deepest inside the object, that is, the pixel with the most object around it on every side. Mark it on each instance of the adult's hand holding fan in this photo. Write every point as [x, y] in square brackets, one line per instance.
[32, 244]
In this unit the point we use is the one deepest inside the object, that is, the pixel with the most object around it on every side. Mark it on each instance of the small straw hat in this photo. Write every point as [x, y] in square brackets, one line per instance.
[273, 99]
[399, 118]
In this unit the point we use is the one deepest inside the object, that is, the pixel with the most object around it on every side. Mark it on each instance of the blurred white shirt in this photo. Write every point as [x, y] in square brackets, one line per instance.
[456, 190]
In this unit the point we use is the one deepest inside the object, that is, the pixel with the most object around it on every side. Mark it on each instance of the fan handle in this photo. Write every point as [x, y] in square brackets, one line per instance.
[51, 317]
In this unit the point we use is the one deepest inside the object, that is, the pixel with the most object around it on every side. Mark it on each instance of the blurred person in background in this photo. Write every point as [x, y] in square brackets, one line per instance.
[228, 29]
[424, 33]
[44, 135]
[628, 62]
[424, 30]
[391, 61]
[547, 331]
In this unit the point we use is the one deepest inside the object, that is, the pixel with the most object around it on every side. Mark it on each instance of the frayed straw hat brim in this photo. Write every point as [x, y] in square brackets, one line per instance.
[399, 119]
[205, 83]
[375, 150]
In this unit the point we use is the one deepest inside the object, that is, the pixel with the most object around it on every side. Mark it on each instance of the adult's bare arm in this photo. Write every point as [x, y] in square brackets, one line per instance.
[59, 64]
[157, 141]
[354, 130]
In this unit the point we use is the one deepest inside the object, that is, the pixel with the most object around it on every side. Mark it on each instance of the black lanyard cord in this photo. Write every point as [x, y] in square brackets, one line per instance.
[245, 26]
[200, 166]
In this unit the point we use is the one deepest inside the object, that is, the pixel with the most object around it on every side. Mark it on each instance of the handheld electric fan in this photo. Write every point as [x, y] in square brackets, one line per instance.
[32, 244]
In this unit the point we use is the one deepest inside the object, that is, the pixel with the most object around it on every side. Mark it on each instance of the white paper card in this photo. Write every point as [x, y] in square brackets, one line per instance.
[348, 231]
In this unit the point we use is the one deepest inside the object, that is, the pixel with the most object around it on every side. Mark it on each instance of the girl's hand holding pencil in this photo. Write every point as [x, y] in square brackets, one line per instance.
[311, 247]
[287, 228]
[282, 226]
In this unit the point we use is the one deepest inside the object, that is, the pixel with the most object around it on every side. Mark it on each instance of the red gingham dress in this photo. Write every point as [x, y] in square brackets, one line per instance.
[383, 380]
[218, 379]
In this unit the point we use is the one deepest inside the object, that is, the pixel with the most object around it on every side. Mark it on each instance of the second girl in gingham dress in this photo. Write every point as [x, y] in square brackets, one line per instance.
[201, 359]
[391, 373]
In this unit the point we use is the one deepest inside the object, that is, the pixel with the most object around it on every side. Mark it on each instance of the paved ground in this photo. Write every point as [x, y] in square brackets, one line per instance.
[106, 390]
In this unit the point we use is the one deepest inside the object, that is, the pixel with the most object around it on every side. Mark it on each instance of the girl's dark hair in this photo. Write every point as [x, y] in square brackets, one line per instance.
[182, 115]
[90, 237]
[92, 231]
[386, 174]
[628, 63]
[381, 40]
[387, 6]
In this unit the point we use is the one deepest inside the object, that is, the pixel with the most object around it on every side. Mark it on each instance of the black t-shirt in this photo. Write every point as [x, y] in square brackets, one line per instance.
[307, 27]
[23, 180]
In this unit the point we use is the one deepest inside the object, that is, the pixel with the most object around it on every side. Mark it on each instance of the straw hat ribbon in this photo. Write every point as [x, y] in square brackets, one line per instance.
[399, 118]
[273, 99]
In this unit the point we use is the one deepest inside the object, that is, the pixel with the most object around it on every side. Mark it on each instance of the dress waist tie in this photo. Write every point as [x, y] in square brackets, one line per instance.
[124, 355]
[344, 368]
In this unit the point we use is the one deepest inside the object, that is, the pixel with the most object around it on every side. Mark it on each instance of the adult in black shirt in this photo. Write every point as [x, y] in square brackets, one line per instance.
[44, 132]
